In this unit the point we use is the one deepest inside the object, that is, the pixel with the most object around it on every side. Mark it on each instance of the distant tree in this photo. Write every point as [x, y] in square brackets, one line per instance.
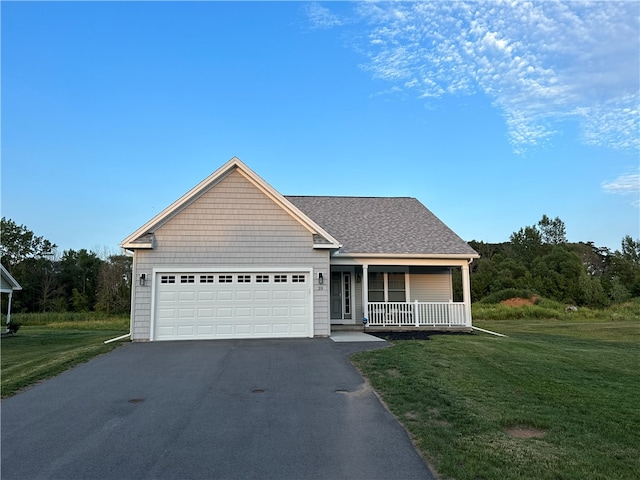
[114, 285]
[18, 243]
[79, 272]
[552, 232]
[526, 244]
[631, 249]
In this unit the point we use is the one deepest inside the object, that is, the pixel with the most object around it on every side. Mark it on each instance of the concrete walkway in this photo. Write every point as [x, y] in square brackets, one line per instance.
[252, 409]
[354, 337]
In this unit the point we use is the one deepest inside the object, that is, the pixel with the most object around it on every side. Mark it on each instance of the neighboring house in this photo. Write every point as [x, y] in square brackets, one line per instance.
[233, 258]
[9, 285]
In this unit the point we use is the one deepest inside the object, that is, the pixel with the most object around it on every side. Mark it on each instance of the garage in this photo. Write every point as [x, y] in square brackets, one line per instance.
[197, 305]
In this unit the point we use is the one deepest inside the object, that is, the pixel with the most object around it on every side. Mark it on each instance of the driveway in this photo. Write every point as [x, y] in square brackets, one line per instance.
[237, 409]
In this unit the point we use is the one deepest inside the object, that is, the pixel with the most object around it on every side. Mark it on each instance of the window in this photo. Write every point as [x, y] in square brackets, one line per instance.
[225, 278]
[280, 278]
[387, 287]
[376, 287]
[187, 279]
[297, 278]
[206, 278]
[395, 287]
[168, 279]
[244, 278]
[262, 278]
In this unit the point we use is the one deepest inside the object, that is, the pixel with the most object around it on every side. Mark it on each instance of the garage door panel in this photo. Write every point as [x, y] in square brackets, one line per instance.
[280, 295]
[243, 296]
[205, 296]
[188, 296]
[232, 305]
[262, 295]
[226, 312]
[225, 296]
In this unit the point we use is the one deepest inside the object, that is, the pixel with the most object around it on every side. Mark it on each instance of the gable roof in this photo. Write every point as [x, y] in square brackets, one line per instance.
[383, 225]
[9, 283]
[144, 238]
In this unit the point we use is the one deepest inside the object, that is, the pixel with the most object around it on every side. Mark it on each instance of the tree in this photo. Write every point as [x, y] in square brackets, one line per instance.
[79, 278]
[552, 232]
[19, 243]
[526, 244]
[631, 249]
[114, 285]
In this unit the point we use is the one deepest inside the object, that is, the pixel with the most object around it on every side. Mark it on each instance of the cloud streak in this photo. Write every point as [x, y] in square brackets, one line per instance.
[628, 184]
[542, 63]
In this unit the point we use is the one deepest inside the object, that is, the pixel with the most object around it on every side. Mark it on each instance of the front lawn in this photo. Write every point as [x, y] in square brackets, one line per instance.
[555, 399]
[42, 349]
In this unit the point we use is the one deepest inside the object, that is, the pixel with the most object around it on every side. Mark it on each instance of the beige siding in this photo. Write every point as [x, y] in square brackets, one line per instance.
[231, 225]
[431, 287]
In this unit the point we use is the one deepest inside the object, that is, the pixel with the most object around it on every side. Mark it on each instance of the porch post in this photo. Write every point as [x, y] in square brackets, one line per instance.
[466, 294]
[9, 308]
[365, 291]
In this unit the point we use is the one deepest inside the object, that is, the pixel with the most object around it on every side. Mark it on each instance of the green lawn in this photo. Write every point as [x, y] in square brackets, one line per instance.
[41, 351]
[574, 384]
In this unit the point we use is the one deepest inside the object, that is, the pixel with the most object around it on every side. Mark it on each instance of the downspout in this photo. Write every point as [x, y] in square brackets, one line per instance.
[121, 337]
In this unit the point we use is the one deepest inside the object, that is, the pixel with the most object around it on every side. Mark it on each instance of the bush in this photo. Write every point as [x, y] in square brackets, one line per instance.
[506, 294]
[13, 327]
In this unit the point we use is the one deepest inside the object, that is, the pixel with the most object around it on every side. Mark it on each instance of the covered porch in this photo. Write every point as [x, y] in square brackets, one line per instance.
[401, 293]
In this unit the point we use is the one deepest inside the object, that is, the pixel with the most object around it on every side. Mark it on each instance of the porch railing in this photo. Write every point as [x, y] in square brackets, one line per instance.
[417, 314]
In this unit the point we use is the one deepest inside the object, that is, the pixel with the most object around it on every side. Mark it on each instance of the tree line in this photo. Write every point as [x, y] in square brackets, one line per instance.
[75, 281]
[537, 260]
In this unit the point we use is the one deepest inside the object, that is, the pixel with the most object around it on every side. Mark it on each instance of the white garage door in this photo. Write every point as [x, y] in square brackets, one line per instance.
[208, 305]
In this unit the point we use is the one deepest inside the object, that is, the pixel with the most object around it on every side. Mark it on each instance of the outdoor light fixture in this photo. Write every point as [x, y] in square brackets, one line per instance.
[320, 279]
[143, 278]
[358, 278]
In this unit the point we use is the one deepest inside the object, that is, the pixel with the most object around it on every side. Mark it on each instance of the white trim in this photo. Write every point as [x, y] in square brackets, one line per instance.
[10, 280]
[186, 269]
[401, 260]
[220, 173]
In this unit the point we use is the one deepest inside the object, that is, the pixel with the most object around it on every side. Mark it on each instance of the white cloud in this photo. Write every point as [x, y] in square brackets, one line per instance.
[627, 184]
[542, 62]
[321, 17]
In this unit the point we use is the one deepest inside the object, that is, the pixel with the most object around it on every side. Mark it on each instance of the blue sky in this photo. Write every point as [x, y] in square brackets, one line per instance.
[490, 113]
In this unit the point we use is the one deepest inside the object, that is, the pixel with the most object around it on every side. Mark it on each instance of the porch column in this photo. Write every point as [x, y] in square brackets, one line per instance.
[466, 294]
[365, 291]
[9, 309]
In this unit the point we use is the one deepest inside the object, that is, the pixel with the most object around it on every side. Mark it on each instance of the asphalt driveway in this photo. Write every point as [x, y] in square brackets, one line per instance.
[237, 409]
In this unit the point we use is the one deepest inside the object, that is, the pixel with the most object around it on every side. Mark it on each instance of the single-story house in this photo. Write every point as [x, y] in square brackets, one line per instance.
[234, 258]
[8, 285]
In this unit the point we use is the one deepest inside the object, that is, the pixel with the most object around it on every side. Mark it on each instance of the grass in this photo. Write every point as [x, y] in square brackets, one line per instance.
[572, 381]
[48, 344]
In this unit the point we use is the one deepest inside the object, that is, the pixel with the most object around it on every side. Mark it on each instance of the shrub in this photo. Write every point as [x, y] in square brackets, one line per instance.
[13, 327]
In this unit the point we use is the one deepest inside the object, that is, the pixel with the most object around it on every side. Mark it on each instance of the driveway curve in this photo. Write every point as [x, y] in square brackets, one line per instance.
[237, 409]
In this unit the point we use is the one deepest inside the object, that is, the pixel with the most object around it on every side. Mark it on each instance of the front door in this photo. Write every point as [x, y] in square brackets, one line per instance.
[341, 298]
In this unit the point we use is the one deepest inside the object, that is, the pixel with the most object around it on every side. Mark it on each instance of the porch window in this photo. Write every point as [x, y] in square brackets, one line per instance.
[387, 287]
[396, 290]
[376, 287]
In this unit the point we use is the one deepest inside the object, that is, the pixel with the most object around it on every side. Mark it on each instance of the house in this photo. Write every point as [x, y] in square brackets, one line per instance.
[233, 258]
[8, 285]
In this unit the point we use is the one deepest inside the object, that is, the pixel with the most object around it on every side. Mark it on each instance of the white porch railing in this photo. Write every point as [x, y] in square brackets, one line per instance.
[417, 314]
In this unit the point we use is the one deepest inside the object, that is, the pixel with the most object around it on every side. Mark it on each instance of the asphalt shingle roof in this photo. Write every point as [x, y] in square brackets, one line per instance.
[397, 225]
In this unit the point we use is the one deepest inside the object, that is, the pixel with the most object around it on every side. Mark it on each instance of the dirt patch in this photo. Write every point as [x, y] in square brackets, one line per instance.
[519, 302]
[525, 431]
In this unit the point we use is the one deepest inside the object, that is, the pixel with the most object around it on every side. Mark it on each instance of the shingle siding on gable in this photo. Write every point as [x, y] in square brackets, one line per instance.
[231, 225]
